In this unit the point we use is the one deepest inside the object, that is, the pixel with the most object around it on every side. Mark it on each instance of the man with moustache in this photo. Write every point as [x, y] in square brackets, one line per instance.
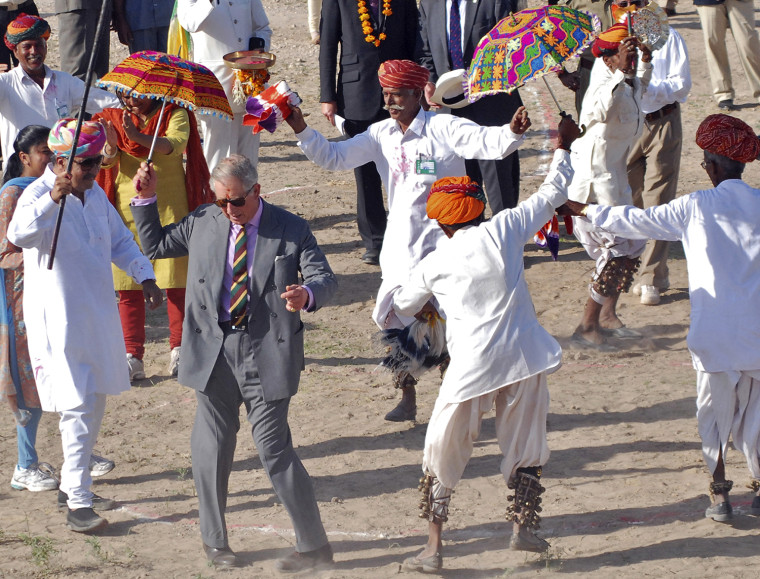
[411, 150]
[75, 340]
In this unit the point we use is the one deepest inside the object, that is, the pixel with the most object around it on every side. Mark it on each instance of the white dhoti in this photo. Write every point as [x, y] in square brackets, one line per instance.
[79, 431]
[728, 405]
[521, 410]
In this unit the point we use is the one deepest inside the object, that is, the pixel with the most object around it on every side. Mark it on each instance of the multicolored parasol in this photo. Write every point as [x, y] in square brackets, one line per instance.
[162, 76]
[529, 44]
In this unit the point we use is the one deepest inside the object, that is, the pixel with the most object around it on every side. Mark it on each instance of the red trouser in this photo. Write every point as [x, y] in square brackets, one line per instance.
[132, 313]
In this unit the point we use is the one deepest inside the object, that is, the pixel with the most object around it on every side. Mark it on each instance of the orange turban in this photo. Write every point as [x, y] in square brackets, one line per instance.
[728, 136]
[402, 74]
[610, 39]
[455, 200]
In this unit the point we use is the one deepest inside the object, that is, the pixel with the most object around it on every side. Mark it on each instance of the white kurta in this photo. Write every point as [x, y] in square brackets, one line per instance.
[612, 115]
[218, 28]
[23, 102]
[671, 75]
[492, 332]
[410, 235]
[719, 229]
[75, 338]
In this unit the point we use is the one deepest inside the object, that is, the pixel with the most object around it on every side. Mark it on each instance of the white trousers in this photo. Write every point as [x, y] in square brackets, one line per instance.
[224, 138]
[521, 410]
[728, 404]
[79, 430]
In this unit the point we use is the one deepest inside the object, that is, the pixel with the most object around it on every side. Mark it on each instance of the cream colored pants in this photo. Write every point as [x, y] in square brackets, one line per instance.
[521, 410]
[224, 138]
[315, 11]
[739, 16]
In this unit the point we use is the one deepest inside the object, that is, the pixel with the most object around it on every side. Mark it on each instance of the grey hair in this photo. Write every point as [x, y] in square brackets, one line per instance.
[729, 166]
[236, 167]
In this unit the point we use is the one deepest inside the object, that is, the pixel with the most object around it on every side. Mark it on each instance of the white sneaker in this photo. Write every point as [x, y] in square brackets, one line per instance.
[38, 477]
[136, 368]
[650, 295]
[100, 466]
[174, 361]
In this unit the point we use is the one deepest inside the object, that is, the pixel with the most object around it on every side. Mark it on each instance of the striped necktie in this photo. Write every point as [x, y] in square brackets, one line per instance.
[455, 37]
[239, 286]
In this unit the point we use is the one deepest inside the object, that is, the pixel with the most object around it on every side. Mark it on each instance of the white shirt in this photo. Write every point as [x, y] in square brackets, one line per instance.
[671, 75]
[492, 331]
[75, 339]
[444, 139]
[220, 27]
[719, 229]
[613, 118]
[23, 102]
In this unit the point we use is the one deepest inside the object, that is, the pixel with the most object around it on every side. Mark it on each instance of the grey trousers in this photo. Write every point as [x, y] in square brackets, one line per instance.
[77, 37]
[235, 380]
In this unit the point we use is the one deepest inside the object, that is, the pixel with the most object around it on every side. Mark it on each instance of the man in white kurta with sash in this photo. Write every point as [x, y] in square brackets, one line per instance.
[75, 340]
[719, 229]
[411, 150]
[613, 118]
[500, 354]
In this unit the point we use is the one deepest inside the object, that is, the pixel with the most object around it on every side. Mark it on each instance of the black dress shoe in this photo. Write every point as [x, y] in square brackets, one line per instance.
[727, 105]
[371, 257]
[296, 562]
[401, 413]
[98, 503]
[670, 11]
[223, 557]
[84, 520]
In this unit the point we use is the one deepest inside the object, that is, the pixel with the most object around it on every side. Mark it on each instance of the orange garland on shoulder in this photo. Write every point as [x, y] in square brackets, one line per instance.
[366, 22]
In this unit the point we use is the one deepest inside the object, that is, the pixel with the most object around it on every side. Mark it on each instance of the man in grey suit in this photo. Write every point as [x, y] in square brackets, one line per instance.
[439, 53]
[243, 342]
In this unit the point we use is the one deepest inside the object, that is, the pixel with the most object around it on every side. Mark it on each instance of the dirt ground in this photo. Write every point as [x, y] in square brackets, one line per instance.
[626, 485]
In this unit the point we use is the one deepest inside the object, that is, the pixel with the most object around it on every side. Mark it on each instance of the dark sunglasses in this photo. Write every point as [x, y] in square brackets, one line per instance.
[88, 164]
[239, 202]
[627, 3]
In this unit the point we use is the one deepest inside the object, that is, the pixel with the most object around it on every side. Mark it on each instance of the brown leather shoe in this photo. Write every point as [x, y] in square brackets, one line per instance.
[223, 557]
[296, 562]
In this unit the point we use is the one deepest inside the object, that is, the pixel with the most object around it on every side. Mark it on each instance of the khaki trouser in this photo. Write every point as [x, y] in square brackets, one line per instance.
[653, 165]
[739, 16]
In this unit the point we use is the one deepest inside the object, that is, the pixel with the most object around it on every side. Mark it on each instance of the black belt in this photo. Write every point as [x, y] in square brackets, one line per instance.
[657, 115]
[228, 327]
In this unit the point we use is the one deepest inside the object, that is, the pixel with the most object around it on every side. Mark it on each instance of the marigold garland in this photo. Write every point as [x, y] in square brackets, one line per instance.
[366, 22]
[249, 83]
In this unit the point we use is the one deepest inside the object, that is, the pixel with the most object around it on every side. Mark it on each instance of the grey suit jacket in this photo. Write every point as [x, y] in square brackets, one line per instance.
[433, 52]
[276, 334]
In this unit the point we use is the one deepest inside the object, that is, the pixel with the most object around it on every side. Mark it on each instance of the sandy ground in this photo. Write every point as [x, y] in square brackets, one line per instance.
[626, 485]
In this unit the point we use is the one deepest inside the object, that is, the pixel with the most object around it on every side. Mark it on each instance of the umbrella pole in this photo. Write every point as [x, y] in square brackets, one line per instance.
[155, 135]
[78, 130]
[554, 98]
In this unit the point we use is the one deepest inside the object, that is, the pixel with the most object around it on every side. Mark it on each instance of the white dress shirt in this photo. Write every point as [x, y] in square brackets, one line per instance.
[444, 139]
[671, 75]
[75, 340]
[492, 332]
[613, 118]
[719, 229]
[23, 102]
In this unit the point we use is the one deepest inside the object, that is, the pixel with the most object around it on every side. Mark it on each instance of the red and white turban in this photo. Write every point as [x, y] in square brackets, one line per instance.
[728, 136]
[610, 39]
[403, 74]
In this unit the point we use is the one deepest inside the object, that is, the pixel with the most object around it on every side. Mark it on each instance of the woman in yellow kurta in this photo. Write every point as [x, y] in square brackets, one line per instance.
[130, 133]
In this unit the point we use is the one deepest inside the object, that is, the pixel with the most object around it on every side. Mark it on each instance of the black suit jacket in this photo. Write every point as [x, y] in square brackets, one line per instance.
[433, 52]
[357, 90]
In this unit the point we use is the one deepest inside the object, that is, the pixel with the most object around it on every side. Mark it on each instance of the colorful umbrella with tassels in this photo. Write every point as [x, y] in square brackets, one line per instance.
[168, 78]
[529, 44]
